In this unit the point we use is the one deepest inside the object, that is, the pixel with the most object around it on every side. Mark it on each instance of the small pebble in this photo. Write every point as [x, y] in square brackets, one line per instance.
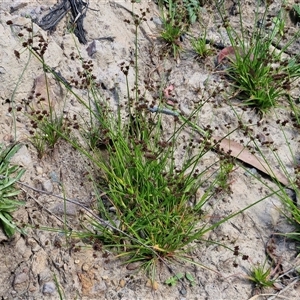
[156, 20]
[183, 291]
[133, 266]
[33, 244]
[47, 186]
[54, 177]
[21, 278]
[253, 171]
[69, 209]
[49, 288]
[39, 170]
[85, 267]
[122, 283]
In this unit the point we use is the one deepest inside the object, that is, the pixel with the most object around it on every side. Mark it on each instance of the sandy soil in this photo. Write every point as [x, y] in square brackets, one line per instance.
[30, 263]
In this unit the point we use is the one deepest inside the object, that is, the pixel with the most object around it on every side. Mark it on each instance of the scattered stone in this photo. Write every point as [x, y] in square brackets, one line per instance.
[122, 283]
[157, 20]
[47, 186]
[85, 267]
[133, 266]
[33, 244]
[54, 177]
[39, 262]
[32, 287]
[69, 209]
[22, 158]
[44, 240]
[21, 248]
[21, 281]
[45, 275]
[184, 110]
[39, 170]
[183, 291]
[49, 288]
[114, 282]
[100, 286]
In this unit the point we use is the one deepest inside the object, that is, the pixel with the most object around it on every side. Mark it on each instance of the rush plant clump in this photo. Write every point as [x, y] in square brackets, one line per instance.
[260, 72]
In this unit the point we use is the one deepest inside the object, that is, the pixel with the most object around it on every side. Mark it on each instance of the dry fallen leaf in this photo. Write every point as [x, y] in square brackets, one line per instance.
[45, 92]
[240, 152]
[227, 52]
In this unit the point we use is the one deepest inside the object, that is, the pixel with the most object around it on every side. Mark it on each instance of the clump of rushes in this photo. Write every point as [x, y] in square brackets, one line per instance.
[149, 194]
[226, 167]
[151, 206]
[150, 200]
[201, 47]
[258, 274]
[46, 129]
[175, 24]
[9, 175]
[261, 276]
[258, 69]
[46, 126]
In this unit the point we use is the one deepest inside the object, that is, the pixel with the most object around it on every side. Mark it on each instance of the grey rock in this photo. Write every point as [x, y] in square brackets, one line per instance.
[100, 287]
[157, 21]
[21, 281]
[49, 288]
[2, 70]
[39, 170]
[33, 244]
[47, 186]
[183, 291]
[22, 158]
[69, 209]
[22, 249]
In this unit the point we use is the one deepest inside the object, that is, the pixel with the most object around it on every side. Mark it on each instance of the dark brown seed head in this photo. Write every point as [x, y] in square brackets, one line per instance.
[17, 54]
